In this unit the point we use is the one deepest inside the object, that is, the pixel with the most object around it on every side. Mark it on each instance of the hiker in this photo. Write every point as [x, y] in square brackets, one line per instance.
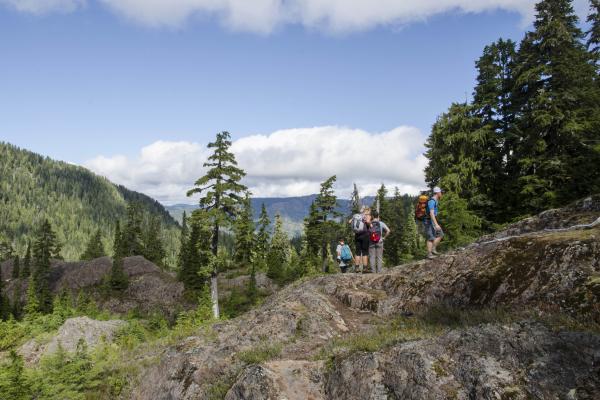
[433, 230]
[378, 231]
[361, 239]
[344, 255]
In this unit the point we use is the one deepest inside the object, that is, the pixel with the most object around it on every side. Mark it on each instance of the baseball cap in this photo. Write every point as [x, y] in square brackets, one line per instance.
[437, 189]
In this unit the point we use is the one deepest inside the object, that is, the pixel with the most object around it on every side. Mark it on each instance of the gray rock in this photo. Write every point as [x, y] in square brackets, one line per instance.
[538, 270]
[92, 332]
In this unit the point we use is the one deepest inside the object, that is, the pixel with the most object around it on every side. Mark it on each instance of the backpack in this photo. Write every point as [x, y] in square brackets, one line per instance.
[375, 232]
[346, 254]
[358, 223]
[421, 209]
[428, 210]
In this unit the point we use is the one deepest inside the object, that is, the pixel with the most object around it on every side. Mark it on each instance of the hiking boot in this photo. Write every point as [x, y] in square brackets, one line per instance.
[431, 256]
[435, 253]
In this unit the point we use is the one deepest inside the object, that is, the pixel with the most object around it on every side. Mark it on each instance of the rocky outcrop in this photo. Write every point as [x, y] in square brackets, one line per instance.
[227, 285]
[150, 288]
[276, 351]
[69, 335]
[517, 361]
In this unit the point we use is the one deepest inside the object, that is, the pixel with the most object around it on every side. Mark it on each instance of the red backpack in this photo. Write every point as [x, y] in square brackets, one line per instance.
[375, 232]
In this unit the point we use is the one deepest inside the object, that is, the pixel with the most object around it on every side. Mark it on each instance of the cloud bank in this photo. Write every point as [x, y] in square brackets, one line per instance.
[264, 16]
[39, 7]
[289, 162]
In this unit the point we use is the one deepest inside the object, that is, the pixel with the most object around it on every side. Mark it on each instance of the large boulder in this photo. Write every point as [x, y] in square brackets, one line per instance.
[69, 335]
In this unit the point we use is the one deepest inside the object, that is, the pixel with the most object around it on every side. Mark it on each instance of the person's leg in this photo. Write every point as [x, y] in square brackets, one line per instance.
[365, 262]
[379, 258]
[373, 258]
[439, 235]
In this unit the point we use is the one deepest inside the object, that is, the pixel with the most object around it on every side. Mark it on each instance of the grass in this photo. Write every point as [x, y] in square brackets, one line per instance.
[262, 352]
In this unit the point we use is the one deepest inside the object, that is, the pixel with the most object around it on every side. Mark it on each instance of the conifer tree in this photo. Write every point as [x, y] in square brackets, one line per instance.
[198, 259]
[4, 306]
[395, 219]
[263, 237]
[183, 238]
[279, 253]
[131, 240]
[409, 240]
[16, 272]
[153, 247]
[6, 250]
[14, 385]
[593, 41]
[220, 191]
[325, 218]
[118, 279]
[244, 233]
[26, 269]
[381, 202]
[492, 102]
[312, 230]
[461, 226]
[45, 247]
[17, 306]
[454, 150]
[557, 99]
[32, 307]
[94, 248]
[355, 204]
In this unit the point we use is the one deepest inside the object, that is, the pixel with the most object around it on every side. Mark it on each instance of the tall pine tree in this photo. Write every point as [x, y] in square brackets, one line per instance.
[45, 248]
[279, 253]
[220, 194]
[322, 225]
[26, 269]
[244, 233]
[263, 237]
[557, 100]
[183, 238]
[153, 246]
[118, 279]
[94, 248]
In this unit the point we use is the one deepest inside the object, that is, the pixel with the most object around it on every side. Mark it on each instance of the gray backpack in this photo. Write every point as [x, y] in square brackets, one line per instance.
[358, 223]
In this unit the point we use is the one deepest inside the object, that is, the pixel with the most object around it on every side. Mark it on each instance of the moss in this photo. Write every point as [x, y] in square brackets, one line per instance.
[439, 368]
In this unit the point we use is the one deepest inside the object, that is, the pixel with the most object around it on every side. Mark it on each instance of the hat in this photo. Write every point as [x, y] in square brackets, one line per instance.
[437, 189]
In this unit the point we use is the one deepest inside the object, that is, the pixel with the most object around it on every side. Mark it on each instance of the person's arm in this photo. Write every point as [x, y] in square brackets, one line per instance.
[387, 230]
[434, 220]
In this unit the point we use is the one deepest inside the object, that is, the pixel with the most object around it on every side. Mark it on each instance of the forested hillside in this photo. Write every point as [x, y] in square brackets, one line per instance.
[75, 201]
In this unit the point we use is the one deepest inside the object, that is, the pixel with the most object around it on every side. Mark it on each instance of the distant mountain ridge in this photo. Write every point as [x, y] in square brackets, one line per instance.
[75, 201]
[292, 210]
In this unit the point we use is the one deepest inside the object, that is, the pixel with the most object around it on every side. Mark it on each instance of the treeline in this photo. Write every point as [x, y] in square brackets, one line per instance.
[223, 234]
[530, 138]
[76, 202]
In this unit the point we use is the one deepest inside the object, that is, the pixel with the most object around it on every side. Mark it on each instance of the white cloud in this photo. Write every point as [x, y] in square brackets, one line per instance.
[263, 16]
[289, 162]
[44, 6]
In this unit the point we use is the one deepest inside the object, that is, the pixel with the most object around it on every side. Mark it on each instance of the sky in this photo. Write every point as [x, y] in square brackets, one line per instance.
[135, 89]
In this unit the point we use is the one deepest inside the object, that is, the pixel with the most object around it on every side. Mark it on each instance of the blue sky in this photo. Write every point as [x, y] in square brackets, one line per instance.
[86, 80]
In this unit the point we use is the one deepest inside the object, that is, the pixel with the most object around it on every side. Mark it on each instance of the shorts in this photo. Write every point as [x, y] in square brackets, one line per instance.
[430, 233]
[362, 242]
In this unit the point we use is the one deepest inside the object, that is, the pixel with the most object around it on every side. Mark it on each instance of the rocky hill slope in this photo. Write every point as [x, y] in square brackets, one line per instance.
[514, 316]
[150, 288]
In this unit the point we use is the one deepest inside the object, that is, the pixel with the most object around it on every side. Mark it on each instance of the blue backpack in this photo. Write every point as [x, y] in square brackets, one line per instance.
[346, 253]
